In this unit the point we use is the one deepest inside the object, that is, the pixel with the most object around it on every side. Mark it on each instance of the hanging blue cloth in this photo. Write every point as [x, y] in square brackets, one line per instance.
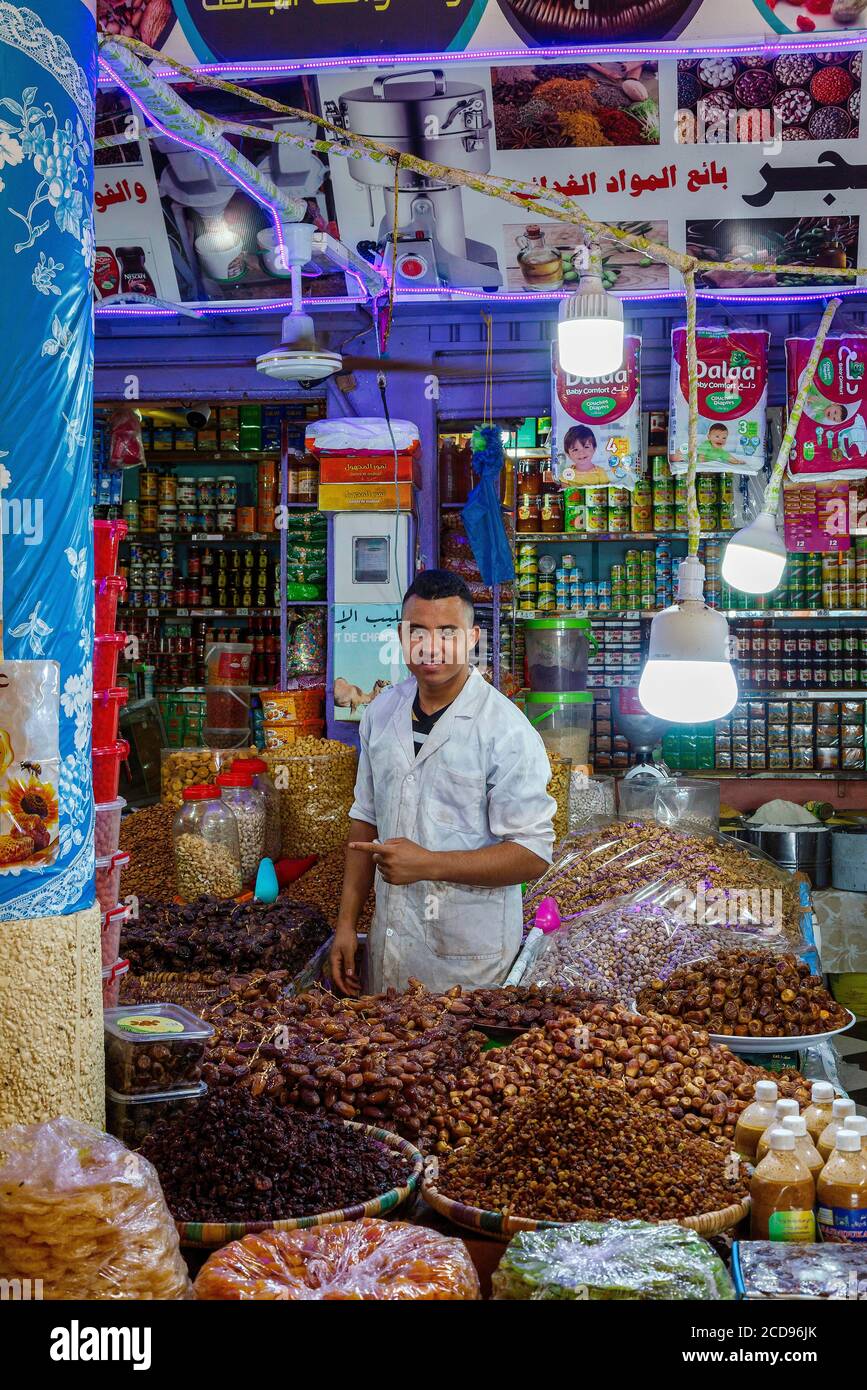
[482, 513]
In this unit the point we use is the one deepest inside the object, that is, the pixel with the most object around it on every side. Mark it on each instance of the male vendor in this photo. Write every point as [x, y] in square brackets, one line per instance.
[451, 811]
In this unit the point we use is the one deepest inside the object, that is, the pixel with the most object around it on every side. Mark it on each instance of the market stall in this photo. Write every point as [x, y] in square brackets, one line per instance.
[646, 459]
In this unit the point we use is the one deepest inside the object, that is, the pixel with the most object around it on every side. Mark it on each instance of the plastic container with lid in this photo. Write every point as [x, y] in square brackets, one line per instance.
[247, 805]
[841, 1109]
[106, 713]
[558, 650]
[563, 719]
[106, 654]
[804, 1146]
[287, 705]
[207, 849]
[131, 1118]
[107, 536]
[782, 1194]
[225, 739]
[229, 664]
[258, 770]
[107, 594]
[108, 872]
[819, 1112]
[111, 978]
[107, 826]
[153, 1047]
[786, 1105]
[284, 733]
[841, 1191]
[106, 769]
[228, 707]
[112, 925]
[757, 1117]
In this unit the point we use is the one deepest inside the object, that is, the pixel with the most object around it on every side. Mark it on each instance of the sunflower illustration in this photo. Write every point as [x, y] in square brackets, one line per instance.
[32, 798]
[7, 755]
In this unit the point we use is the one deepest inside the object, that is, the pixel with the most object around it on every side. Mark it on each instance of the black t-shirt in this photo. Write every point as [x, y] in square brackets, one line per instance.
[422, 724]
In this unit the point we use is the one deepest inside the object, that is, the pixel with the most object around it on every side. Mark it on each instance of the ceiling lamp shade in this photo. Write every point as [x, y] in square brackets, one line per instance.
[688, 677]
[755, 558]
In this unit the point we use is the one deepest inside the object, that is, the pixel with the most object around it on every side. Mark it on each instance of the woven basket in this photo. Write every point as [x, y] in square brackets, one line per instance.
[494, 1223]
[212, 1234]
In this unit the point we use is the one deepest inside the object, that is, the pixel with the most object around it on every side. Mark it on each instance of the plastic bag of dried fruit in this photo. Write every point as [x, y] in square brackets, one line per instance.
[709, 879]
[349, 1260]
[85, 1216]
[616, 950]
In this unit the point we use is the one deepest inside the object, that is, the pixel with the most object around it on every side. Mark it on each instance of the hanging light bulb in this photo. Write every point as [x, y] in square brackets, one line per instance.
[590, 326]
[688, 678]
[755, 557]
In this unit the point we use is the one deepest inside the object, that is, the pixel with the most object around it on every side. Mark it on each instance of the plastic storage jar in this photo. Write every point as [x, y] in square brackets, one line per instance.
[557, 653]
[227, 707]
[226, 740]
[153, 1047]
[107, 827]
[207, 850]
[106, 769]
[229, 663]
[106, 713]
[108, 594]
[248, 807]
[258, 768]
[108, 871]
[112, 925]
[111, 978]
[106, 654]
[107, 536]
[288, 731]
[131, 1118]
[563, 718]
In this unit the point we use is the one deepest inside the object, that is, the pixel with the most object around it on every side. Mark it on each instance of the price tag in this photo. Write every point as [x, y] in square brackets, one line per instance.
[153, 612]
[183, 612]
[242, 612]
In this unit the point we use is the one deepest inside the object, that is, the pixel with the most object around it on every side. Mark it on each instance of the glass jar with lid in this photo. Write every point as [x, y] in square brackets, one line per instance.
[247, 805]
[207, 847]
[263, 783]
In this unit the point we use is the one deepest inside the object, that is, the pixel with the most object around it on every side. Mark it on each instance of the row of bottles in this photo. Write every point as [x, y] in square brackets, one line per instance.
[810, 1169]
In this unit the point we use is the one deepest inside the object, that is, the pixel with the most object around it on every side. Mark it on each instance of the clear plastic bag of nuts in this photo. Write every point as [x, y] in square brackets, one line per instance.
[315, 779]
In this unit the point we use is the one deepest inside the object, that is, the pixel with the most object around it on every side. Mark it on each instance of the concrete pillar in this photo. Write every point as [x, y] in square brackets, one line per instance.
[50, 989]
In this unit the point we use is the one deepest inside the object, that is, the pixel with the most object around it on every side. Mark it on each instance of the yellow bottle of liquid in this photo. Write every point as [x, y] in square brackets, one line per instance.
[783, 1107]
[753, 1121]
[842, 1192]
[804, 1146]
[782, 1194]
[841, 1109]
[818, 1112]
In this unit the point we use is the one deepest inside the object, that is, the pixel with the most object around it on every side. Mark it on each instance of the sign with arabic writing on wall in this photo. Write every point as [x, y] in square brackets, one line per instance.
[250, 30]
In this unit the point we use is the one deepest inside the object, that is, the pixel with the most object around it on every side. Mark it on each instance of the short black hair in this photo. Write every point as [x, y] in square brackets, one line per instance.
[434, 584]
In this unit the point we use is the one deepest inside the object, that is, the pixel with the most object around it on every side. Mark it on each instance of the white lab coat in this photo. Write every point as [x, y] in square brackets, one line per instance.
[480, 778]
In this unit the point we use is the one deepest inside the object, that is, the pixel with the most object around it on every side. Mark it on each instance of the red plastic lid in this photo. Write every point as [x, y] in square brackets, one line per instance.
[118, 749]
[122, 910]
[110, 581]
[235, 776]
[253, 765]
[117, 527]
[118, 638]
[201, 793]
[117, 693]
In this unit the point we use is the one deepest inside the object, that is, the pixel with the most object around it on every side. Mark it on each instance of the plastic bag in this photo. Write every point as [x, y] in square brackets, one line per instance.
[85, 1216]
[775, 1269]
[709, 879]
[690, 805]
[355, 1260]
[482, 514]
[127, 446]
[633, 1260]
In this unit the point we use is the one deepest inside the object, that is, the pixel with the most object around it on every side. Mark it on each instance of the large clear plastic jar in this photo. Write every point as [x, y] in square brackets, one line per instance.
[263, 783]
[207, 849]
[248, 807]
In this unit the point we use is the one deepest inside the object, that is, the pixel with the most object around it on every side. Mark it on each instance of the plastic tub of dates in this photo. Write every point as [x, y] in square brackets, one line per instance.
[130, 1118]
[155, 1047]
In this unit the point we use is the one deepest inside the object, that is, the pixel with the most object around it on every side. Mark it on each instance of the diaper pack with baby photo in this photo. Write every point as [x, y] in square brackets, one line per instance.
[831, 437]
[732, 400]
[597, 423]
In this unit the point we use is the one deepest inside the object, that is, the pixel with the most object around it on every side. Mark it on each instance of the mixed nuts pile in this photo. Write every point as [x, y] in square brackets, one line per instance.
[233, 1158]
[747, 994]
[581, 1149]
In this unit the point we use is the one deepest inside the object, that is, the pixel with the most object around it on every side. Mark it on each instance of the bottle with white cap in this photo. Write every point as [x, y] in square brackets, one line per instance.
[753, 1121]
[782, 1193]
[842, 1191]
[804, 1146]
[818, 1112]
[841, 1109]
[785, 1106]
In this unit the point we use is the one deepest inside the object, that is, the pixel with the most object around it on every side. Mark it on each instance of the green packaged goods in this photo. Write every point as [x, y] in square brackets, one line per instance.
[634, 1260]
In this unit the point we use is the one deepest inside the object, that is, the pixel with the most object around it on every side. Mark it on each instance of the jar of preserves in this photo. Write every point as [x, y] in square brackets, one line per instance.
[206, 845]
[552, 512]
[308, 479]
[227, 491]
[529, 479]
[148, 486]
[529, 518]
[168, 487]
